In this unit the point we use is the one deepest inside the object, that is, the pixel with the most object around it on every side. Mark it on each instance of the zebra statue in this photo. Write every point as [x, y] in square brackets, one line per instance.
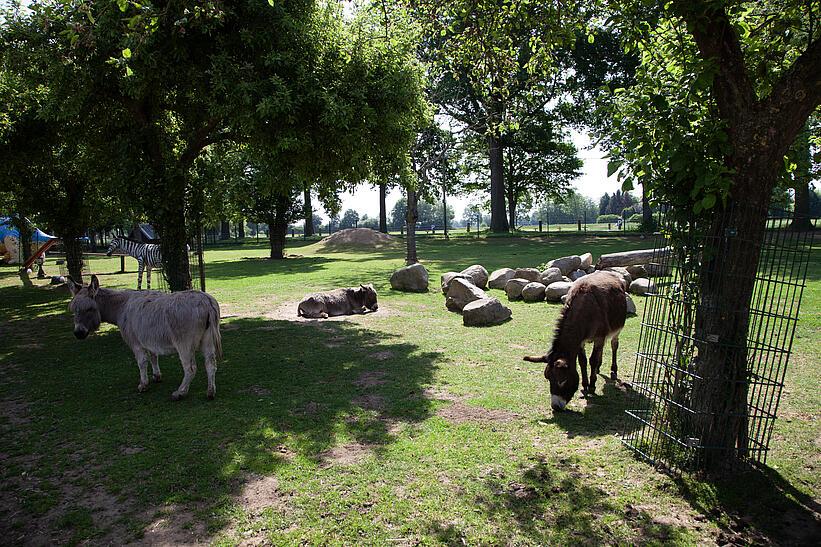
[147, 254]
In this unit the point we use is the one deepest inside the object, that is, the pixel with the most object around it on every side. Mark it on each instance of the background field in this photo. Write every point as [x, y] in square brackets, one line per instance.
[399, 427]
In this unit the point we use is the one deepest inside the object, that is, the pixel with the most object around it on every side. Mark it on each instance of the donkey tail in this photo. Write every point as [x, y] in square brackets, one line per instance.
[212, 327]
[535, 358]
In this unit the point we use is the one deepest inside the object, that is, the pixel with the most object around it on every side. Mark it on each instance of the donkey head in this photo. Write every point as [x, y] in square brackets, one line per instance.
[563, 377]
[115, 244]
[84, 307]
[369, 296]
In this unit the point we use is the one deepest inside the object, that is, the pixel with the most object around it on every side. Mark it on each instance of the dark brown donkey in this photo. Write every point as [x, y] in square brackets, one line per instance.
[595, 310]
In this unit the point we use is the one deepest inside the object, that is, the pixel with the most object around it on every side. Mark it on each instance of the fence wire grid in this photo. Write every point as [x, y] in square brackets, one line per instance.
[664, 422]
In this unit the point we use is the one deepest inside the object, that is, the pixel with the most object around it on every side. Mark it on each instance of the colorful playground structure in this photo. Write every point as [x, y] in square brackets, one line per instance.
[11, 251]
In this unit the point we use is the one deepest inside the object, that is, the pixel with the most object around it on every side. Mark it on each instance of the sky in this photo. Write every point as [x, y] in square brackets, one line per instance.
[592, 183]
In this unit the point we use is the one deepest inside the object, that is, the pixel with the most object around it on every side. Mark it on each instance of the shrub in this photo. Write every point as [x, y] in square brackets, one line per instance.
[607, 219]
[635, 218]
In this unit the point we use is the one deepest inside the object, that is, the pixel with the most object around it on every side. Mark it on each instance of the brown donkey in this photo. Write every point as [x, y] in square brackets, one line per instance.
[153, 324]
[596, 310]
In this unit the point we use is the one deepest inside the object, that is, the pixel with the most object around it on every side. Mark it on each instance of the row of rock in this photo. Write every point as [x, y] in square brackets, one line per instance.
[464, 293]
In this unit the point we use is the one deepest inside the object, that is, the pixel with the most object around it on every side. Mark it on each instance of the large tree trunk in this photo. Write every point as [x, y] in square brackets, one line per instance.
[241, 229]
[445, 210]
[309, 212]
[278, 229]
[647, 222]
[74, 255]
[498, 218]
[225, 229]
[174, 236]
[25, 237]
[726, 281]
[383, 208]
[411, 217]
[803, 165]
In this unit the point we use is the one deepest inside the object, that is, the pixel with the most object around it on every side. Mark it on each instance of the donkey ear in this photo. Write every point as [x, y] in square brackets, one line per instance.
[94, 286]
[73, 287]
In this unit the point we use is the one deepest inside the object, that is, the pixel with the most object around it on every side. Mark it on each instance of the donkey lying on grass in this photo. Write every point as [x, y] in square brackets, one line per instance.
[154, 323]
[339, 302]
[596, 310]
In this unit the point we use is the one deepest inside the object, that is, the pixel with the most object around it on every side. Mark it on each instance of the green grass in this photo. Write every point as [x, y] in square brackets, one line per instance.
[451, 441]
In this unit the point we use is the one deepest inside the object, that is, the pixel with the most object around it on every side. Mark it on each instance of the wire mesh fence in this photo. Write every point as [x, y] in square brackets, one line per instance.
[668, 421]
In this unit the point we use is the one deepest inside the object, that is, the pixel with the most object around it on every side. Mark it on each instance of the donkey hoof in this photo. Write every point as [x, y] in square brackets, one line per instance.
[176, 396]
[142, 388]
[613, 376]
[157, 378]
[211, 394]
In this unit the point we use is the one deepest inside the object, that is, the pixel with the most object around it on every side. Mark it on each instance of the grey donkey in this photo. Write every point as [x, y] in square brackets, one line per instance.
[339, 302]
[153, 323]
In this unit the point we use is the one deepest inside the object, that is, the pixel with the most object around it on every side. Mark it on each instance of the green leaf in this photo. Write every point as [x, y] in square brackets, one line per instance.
[128, 71]
[627, 185]
[708, 201]
[122, 4]
[127, 53]
[590, 38]
[271, 3]
[613, 166]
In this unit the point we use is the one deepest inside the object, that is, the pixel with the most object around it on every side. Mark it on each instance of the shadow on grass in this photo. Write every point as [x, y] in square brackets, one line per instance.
[756, 507]
[260, 266]
[286, 392]
[603, 413]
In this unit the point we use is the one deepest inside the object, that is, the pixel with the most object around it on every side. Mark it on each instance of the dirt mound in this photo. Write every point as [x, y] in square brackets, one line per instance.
[357, 238]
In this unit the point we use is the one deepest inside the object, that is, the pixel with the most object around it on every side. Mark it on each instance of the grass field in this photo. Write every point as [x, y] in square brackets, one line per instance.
[400, 427]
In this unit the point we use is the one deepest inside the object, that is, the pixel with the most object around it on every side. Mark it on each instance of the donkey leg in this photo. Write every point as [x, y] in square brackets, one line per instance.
[614, 349]
[142, 363]
[189, 369]
[595, 362]
[155, 367]
[583, 366]
[211, 371]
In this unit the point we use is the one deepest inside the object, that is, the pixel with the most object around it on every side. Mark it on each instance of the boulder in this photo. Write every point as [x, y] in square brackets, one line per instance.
[531, 274]
[555, 291]
[623, 273]
[533, 292]
[636, 271]
[566, 264]
[590, 269]
[450, 276]
[485, 312]
[550, 275]
[514, 287]
[478, 273]
[642, 286]
[461, 293]
[413, 278]
[631, 306]
[587, 261]
[499, 278]
[577, 274]
[655, 269]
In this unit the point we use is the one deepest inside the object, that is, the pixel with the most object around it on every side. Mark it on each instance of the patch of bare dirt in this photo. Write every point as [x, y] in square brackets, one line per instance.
[355, 239]
[346, 454]
[370, 402]
[460, 412]
[310, 409]
[175, 526]
[260, 492]
[370, 378]
[131, 450]
[382, 355]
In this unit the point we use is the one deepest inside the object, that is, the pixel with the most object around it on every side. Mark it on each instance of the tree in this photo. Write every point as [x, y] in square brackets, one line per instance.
[349, 219]
[722, 93]
[493, 66]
